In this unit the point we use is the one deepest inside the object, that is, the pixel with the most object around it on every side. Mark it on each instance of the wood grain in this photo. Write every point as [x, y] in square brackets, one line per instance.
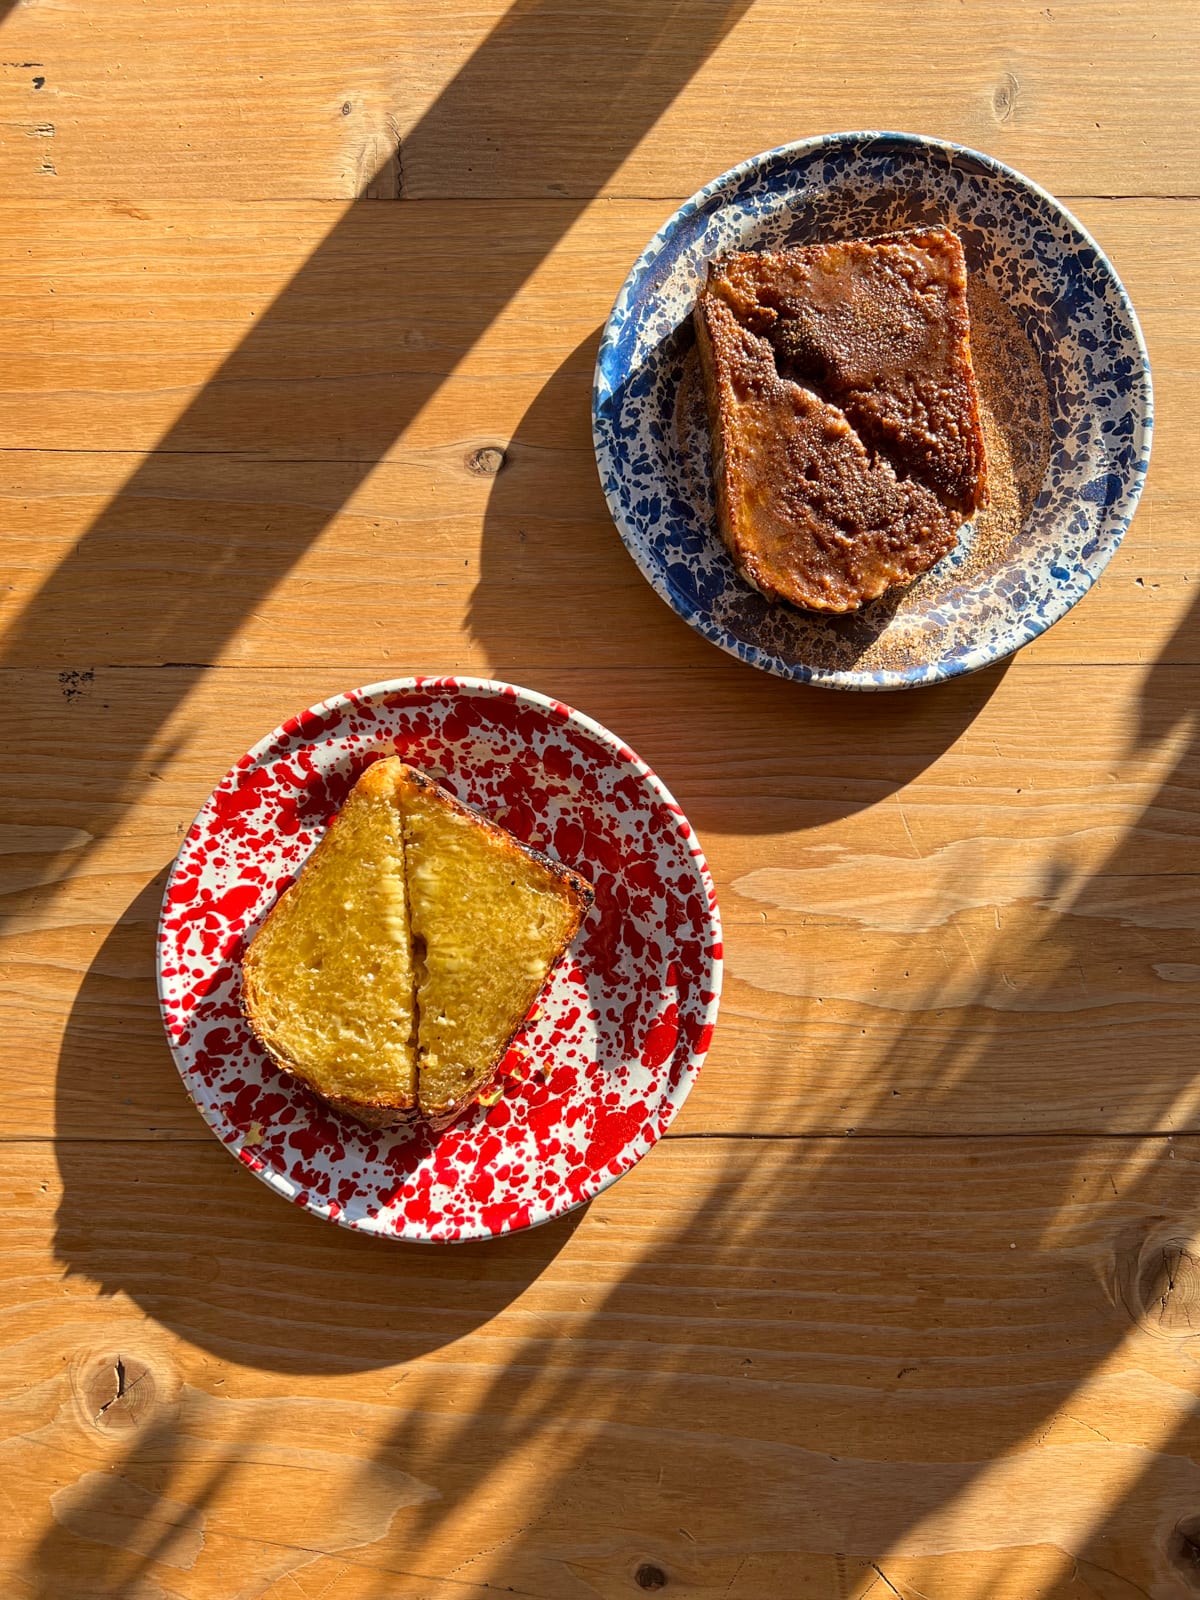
[553, 97]
[119, 560]
[331, 329]
[972, 1375]
[322, 386]
[905, 1305]
[971, 910]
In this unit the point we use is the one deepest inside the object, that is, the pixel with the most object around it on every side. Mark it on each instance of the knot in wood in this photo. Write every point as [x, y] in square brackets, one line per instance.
[648, 1576]
[119, 1394]
[1004, 98]
[1170, 1284]
[1183, 1547]
[1158, 1281]
[485, 462]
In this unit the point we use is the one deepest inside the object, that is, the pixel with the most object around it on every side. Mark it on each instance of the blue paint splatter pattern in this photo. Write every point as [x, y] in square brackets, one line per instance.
[1019, 243]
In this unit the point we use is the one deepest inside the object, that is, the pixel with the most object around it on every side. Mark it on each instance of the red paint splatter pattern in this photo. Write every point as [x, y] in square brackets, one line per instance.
[606, 1058]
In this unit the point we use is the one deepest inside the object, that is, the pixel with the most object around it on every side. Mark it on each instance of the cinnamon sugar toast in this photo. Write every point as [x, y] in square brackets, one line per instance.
[847, 444]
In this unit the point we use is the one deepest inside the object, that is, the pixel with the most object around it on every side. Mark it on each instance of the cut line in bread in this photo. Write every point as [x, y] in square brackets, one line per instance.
[393, 975]
[847, 446]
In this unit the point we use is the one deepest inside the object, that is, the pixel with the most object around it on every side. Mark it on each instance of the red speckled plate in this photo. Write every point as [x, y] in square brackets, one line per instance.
[622, 1028]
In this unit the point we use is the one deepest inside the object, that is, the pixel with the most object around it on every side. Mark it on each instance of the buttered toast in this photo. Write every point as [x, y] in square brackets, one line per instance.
[490, 917]
[394, 973]
[327, 983]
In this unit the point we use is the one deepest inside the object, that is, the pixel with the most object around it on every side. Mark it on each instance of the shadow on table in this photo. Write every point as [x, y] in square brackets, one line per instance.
[258, 1282]
[610, 72]
[727, 1369]
[816, 1365]
[752, 1414]
[809, 757]
[603, 77]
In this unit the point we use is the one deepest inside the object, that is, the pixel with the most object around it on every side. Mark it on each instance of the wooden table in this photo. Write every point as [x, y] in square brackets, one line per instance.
[300, 304]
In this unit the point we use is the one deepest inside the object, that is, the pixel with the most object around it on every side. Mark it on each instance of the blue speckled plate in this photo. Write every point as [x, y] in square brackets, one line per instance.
[1063, 374]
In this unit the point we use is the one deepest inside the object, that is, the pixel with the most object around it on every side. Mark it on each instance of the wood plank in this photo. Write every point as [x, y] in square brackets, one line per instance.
[974, 909]
[552, 97]
[326, 331]
[874, 1350]
[224, 561]
[318, 397]
[743, 1363]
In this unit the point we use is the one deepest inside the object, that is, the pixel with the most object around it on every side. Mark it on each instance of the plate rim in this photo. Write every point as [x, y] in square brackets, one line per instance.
[877, 680]
[495, 688]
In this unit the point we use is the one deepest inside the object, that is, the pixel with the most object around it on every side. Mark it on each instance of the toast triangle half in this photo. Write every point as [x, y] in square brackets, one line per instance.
[328, 982]
[490, 918]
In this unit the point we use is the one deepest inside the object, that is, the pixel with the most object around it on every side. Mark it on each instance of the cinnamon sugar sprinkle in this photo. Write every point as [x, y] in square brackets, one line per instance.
[1014, 409]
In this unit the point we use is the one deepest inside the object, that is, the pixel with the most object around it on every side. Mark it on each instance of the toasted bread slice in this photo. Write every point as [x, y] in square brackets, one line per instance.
[327, 983]
[393, 974]
[847, 444]
[490, 918]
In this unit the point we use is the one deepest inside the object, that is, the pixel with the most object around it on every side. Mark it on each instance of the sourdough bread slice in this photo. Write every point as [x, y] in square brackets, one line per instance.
[327, 983]
[393, 974]
[490, 917]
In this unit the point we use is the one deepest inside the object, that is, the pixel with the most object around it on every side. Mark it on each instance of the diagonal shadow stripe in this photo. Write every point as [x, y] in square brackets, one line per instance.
[611, 72]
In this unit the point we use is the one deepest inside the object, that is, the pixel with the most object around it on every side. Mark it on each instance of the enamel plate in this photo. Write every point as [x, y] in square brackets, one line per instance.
[620, 1032]
[1064, 381]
